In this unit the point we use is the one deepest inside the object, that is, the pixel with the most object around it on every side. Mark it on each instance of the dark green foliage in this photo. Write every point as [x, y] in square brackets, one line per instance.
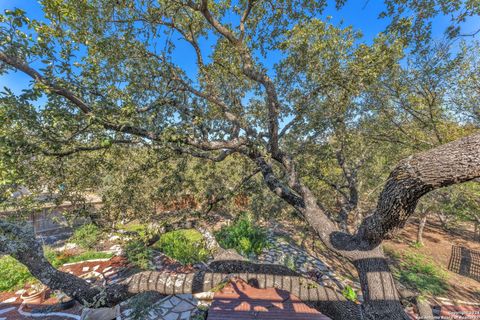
[243, 236]
[138, 254]
[87, 236]
[187, 246]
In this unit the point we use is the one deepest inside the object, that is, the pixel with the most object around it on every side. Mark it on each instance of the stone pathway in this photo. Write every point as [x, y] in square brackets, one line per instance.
[174, 307]
[281, 251]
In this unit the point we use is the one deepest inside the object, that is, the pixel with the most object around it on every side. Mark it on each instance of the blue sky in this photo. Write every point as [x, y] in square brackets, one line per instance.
[361, 14]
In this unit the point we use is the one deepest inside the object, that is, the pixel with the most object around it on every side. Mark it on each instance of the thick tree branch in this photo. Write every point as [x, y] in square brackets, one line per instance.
[40, 79]
[124, 128]
[275, 185]
[251, 72]
[451, 163]
[303, 201]
[224, 31]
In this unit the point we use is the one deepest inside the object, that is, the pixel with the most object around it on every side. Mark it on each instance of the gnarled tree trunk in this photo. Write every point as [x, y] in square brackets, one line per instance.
[381, 298]
[455, 162]
[452, 163]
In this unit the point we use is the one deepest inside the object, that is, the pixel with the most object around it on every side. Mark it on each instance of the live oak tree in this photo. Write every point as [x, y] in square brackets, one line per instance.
[414, 19]
[466, 95]
[107, 74]
[422, 103]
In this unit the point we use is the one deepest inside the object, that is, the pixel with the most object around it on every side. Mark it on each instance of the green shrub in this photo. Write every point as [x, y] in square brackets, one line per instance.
[187, 246]
[417, 272]
[87, 236]
[349, 293]
[13, 274]
[138, 254]
[243, 236]
[289, 262]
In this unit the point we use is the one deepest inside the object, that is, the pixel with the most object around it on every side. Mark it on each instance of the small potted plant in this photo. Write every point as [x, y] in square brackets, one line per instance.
[35, 294]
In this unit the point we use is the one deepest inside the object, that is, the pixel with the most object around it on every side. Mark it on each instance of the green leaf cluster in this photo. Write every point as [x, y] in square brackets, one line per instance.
[87, 236]
[138, 254]
[244, 236]
[187, 246]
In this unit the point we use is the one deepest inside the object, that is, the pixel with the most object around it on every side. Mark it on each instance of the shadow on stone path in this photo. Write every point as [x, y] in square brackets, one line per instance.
[281, 251]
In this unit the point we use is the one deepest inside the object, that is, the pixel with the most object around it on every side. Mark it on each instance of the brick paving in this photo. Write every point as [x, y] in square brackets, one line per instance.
[240, 301]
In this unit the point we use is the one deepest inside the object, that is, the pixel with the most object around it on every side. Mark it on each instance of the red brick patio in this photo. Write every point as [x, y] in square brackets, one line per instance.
[240, 301]
[460, 312]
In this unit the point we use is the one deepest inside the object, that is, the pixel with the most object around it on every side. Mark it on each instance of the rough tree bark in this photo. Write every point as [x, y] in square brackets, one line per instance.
[452, 163]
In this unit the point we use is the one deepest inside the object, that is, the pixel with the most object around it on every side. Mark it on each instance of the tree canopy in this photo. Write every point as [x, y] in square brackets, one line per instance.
[112, 110]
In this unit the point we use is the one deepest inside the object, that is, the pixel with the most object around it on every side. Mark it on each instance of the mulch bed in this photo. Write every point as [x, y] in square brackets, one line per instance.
[164, 263]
